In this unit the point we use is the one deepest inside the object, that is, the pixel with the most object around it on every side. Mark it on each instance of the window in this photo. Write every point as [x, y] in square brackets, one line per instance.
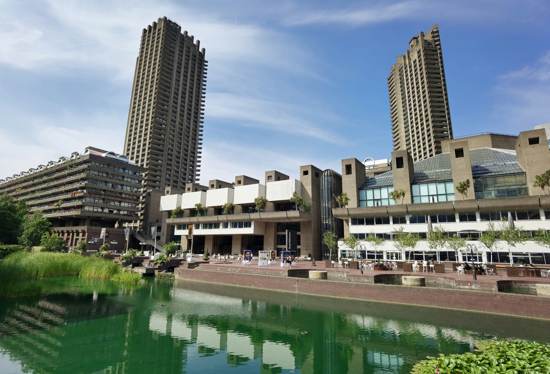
[399, 220]
[348, 169]
[432, 192]
[459, 152]
[399, 162]
[442, 218]
[376, 197]
[357, 221]
[533, 141]
[498, 186]
[305, 172]
[526, 215]
[467, 217]
[269, 178]
[493, 216]
[417, 219]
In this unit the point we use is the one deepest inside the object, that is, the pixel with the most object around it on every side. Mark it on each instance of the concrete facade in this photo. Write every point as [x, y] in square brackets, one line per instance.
[165, 119]
[419, 106]
[82, 194]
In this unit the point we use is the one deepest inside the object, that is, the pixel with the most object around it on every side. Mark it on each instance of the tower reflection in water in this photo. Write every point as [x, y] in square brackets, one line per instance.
[162, 329]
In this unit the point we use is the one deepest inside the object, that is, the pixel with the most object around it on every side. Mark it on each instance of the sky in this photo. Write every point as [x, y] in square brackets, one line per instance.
[289, 82]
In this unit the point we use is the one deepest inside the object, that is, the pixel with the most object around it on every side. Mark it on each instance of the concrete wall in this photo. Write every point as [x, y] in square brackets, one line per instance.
[403, 173]
[461, 168]
[533, 158]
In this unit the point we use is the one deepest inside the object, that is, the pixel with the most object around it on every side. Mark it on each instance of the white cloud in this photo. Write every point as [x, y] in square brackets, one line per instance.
[522, 96]
[266, 114]
[42, 141]
[224, 161]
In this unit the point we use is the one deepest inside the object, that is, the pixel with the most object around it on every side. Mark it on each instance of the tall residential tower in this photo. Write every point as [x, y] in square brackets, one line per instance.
[164, 132]
[418, 98]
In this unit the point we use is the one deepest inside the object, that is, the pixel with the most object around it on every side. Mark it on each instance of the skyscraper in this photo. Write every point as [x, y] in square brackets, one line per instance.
[418, 98]
[165, 120]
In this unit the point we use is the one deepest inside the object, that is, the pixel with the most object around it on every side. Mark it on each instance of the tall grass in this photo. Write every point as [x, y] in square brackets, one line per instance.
[24, 267]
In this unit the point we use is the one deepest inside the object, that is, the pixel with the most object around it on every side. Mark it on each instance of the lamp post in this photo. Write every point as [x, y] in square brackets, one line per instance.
[471, 248]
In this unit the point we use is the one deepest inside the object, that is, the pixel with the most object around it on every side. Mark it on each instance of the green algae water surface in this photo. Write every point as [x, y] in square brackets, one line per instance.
[162, 327]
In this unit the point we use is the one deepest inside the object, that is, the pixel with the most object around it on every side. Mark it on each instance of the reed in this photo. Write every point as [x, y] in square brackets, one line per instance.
[24, 267]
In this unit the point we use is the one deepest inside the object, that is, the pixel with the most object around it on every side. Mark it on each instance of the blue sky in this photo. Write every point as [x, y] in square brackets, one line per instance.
[289, 82]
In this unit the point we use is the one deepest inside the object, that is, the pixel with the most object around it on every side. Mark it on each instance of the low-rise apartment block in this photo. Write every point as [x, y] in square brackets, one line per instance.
[82, 194]
[280, 214]
[478, 184]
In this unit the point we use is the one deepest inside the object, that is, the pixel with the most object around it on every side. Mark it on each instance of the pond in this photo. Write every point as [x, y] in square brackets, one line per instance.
[166, 327]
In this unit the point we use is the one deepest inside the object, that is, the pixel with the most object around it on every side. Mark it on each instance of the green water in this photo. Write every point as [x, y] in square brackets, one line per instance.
[165, 328]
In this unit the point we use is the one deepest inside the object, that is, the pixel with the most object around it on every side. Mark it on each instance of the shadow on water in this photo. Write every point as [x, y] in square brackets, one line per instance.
[163, 328]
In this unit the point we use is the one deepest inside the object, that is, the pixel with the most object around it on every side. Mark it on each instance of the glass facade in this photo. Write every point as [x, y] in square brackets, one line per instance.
[433, 192]
[495, 186]
[376, 197]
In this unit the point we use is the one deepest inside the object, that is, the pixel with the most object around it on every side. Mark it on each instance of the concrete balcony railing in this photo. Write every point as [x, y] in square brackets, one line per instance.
[247, 194]
[276, 216]
[219, 197]
[282, 190]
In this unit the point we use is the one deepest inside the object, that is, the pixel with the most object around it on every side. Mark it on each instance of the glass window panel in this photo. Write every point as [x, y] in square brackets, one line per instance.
[424, 199]
[432, 189]
[384, 193]
[362, 194]
[416, 189]
[450, 197]
[376, 193]
[423, 190]
[370, 203]
[416, 199]
[442, 198]
[441, 188]
[369, 194]
[450, 187]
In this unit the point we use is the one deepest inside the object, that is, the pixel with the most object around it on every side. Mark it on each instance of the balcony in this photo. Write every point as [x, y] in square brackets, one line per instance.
[248, 193]
[170, 202]
[190, 199]
[219, 197]
[282, 190]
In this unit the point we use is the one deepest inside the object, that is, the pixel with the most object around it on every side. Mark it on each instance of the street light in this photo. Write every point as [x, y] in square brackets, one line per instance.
[471, 248]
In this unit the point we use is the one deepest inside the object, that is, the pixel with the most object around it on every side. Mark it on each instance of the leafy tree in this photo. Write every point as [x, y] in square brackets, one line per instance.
[375, 240]
[456, 243]
[228, 208]
[398, 195]
[34, 226]
[543, 237]
[489, 237]
[176, 213]
[405, 240]
[12, 214]
[51, 242]
[299, 203]
[171, 248]
[81, 247]
[437, 238]
[200, 209]
[542, 181]
[342, 200]
[352, 242]
[331, 242]
[463, 188]
[260, 203]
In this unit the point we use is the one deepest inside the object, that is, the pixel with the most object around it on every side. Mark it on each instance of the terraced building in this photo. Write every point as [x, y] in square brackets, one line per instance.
[82, 194]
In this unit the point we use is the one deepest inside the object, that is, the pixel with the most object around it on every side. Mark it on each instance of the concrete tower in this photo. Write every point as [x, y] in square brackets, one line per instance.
[165, 120]
[418, 98]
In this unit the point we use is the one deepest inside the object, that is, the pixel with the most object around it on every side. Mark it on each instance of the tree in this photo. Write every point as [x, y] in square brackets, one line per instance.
[51, 242]
[512, 236]
[405, 240]
[456, 243]
[352, 242]
[299, 203]
[228, 208]
[437, 238]
[12, 214]
[176, 213]
[542, 181]
[374, 240]
[342, 200]
[260, 203]
[463, 188]
[489, 237]
[171, 248]
[331, 242]
[398, 194]
[543, 237]
[34, 226]
[200, 209]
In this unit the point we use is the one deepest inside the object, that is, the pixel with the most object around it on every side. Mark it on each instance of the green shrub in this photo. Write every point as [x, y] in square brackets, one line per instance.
[160, 260]
[171, 248]
[51, 242]
[8, 249]
[494, 356]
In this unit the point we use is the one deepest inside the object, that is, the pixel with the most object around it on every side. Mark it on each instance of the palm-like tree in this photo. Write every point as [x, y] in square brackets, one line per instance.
[542, 181]
[398, 195]
[342, 200]
[463, 188]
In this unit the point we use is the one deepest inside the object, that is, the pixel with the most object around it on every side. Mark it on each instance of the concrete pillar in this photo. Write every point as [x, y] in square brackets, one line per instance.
[353, 177]
[461, 167]
[533, 156]
[236, 245]
[270, 236]
[403, 173]
[208, 244]
[310, 178]
[184, 243]
[306, 240]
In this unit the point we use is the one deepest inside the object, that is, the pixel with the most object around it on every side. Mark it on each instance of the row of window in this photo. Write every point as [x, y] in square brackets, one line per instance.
[223, 225]
[451, 218]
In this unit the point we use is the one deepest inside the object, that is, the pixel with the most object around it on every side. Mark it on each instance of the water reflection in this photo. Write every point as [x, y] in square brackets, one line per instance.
[162, 329]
